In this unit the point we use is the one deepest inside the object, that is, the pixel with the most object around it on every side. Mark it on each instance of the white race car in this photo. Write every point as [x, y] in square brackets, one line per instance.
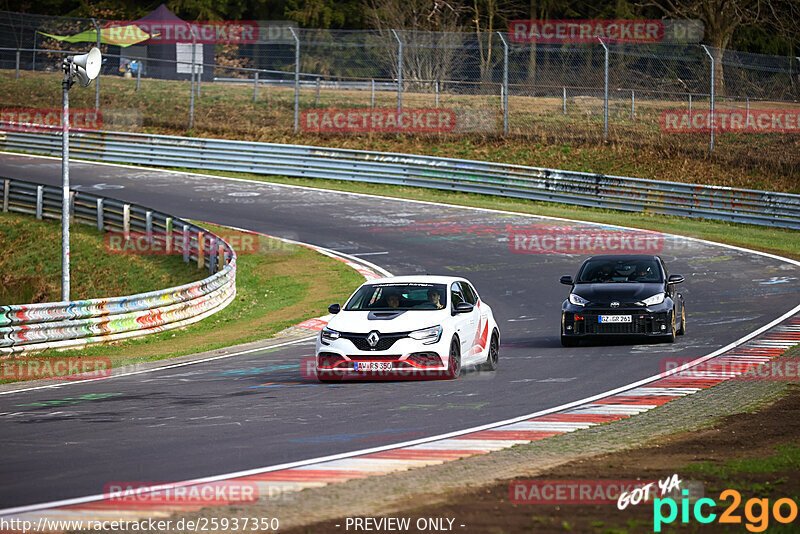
[408, 327]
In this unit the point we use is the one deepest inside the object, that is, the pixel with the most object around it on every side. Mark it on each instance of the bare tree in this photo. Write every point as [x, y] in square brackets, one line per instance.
[431, 35]
[721, 19]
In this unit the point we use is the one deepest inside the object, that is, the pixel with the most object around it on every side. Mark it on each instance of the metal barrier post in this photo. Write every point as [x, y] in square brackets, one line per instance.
[220, 257]
[633, 104]
[372, 96]
[296, 80]
[126, 221]
[711, 57]
[39, 192]
[690, 106]
[255, 87]
[138, 73]
[201, 249]
[399, 71]
[148, 225]
[100, 221]
[316, 98]
[17, 64]
[168, 234]
[35, 35]
[6, 186]
[212, 255]
[185, 243]
[605, 90]
[436, 92]
[564, 100]
[505, 83]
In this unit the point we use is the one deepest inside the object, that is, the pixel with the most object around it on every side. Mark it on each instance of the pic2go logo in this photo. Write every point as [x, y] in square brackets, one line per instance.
[756, 511]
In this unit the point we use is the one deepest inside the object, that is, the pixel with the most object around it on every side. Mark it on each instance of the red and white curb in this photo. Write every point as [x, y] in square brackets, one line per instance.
[276, 481]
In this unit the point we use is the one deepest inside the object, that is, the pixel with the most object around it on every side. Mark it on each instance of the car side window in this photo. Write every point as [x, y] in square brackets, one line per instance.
[469, 293]
[458, 296]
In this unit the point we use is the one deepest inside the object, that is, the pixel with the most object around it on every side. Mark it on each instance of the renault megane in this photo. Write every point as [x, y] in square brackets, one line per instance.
[408, 327]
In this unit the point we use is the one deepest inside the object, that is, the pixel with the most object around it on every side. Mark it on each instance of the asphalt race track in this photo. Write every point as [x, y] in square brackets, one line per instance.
[257, 410]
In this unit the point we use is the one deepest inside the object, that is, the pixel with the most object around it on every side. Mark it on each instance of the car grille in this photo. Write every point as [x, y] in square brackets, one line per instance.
[641, 323]
[373, 357]
[638, 326]
[385, 343]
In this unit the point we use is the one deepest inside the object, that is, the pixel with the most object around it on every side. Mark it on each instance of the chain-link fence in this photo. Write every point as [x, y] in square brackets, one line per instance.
[293, 80]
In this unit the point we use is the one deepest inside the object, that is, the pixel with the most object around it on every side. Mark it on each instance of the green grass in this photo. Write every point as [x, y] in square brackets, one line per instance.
[774, 240]
[785, 458]
[30, 265]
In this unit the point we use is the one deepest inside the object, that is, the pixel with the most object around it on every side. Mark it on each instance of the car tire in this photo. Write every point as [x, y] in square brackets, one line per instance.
[682, 329]
[454, 360]
[567, 341]
[494, 354]
[670, 338]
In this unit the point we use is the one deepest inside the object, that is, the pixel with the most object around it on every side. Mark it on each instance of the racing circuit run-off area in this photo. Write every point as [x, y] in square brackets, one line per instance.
[389, 267]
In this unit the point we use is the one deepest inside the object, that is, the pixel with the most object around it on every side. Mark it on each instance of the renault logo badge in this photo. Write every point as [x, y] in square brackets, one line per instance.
[373, 339]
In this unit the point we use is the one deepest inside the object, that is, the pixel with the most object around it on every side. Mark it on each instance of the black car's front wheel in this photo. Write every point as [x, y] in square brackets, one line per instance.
[670, 337]
[682, 329]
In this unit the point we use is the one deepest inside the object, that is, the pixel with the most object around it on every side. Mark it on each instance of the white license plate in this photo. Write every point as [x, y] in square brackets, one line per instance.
[372, 366]
[614, 319]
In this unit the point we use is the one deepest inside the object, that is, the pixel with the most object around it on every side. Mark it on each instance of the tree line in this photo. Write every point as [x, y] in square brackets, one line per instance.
[760, 26]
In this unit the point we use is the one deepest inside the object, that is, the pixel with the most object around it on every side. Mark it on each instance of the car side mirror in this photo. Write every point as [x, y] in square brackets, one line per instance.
[463, 307]
[566, 280]
[675, 279]
[334, 308]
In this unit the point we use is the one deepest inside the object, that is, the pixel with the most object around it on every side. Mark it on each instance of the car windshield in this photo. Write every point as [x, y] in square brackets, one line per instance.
[610, 271]
[398, 297]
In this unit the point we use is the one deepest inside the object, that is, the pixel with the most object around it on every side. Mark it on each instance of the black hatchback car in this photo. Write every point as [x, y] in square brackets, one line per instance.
[615, 295]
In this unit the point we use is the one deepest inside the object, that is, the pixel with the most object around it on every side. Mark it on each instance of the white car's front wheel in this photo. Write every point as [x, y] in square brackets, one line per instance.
[454, 361]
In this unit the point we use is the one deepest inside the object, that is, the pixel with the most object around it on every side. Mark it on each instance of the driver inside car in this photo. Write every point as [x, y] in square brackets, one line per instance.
[434, 297]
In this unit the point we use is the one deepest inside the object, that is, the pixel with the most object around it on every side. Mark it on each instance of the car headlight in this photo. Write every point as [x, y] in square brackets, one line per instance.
[329, 335]
[577, 300]
[428, 336]
[658, 298]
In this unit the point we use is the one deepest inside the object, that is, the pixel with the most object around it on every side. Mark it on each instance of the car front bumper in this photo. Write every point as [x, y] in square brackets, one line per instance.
[643, 322]
[409, 358]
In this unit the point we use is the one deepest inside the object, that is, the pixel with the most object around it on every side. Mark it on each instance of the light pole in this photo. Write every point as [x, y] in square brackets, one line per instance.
[86, 67]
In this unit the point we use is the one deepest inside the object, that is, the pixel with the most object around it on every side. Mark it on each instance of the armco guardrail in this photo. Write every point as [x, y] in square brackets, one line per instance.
[33, 327]
[518, 181]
